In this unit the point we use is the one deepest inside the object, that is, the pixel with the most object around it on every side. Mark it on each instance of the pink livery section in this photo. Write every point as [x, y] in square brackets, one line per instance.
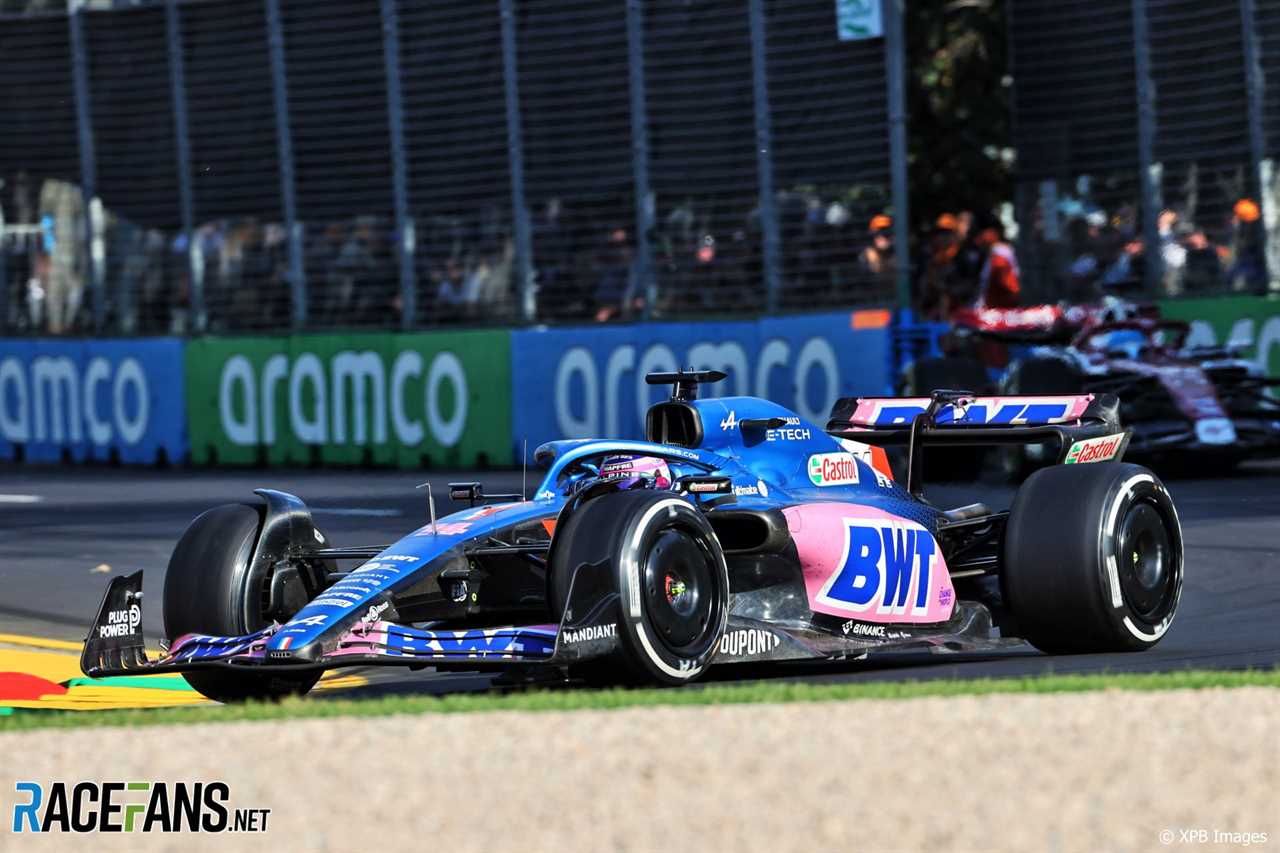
[864, 563]
[994, 411]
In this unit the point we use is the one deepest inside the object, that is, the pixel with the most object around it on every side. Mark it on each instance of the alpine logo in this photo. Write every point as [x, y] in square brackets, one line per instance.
[121, 623]
[1094, 449]
[592, 632]
[730, 423]
[750, 641]
[833, 469]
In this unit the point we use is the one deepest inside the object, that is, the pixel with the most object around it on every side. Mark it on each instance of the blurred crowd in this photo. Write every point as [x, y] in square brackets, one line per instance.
[965, 261]
[1202, 249]
[705, 259]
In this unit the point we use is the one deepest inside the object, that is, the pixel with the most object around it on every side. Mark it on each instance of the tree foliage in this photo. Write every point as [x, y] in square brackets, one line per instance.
[958, 95]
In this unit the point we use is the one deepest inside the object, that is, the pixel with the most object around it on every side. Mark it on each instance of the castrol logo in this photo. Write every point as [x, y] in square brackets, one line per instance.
[833, 469]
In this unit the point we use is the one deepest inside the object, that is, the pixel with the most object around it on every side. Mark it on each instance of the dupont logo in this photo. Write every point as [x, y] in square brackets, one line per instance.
[833, 469]
[1095, 449]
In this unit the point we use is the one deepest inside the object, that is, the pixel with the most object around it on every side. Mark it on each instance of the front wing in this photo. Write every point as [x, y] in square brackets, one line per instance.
[589, 630]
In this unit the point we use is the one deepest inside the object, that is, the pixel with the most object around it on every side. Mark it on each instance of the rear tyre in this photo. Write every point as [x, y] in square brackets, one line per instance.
[1093, 559]
[209, 589]
[920, 379]
[1035, 376]
[669, 571]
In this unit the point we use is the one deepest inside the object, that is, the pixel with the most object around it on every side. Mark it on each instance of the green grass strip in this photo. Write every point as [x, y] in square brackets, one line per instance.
[544, 699]
[151, 682]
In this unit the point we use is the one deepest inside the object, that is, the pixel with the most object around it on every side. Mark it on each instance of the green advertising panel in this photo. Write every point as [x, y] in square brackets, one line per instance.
[1253, 322]
[440, 399]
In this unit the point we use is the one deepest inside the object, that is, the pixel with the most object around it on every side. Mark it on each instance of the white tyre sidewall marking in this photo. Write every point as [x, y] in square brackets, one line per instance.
[1113, 574]
[631, 568]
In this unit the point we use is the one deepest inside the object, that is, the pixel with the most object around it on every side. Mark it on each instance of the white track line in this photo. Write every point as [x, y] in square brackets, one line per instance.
[20, 499]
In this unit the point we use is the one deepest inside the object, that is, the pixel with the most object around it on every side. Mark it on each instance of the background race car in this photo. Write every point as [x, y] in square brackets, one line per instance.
[1186, 406]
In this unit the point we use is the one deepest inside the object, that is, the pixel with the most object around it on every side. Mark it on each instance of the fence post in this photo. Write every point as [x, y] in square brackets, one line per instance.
[1261, 167]
[515, 158]
[896, 97]
[284, 149]
[182, 140]
[94, 252]
[405, 237]
[644, 200]
[1150, 173]
[764, 158]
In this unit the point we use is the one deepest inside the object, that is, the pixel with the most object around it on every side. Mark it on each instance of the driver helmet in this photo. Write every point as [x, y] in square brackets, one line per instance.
[645, 472]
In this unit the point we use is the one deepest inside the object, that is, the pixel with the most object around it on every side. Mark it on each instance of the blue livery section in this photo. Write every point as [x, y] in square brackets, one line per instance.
[523, 642]
[92, 398]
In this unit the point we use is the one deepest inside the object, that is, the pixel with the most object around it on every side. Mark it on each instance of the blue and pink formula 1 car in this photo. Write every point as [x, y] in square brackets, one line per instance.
[737, 532]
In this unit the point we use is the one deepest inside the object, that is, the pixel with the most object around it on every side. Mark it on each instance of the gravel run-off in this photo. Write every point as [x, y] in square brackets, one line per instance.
[1095, 771]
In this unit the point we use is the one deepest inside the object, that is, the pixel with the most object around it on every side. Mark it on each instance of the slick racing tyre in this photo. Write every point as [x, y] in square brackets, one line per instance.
[1035, 376]
[1093, 559]
[923, 377]
[666, 564]
[209, 589]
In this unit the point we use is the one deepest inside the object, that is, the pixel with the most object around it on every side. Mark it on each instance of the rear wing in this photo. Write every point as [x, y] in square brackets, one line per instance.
[1069, 423]
[960, 409]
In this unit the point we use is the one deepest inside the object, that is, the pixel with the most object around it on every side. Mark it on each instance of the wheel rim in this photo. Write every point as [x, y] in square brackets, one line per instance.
[679, 589]
[1145, 560]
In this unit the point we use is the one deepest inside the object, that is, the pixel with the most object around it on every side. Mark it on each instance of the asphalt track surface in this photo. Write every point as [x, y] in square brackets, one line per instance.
[60, 526]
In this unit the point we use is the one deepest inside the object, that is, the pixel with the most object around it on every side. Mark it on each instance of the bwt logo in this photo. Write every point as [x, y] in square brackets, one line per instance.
[132, 807]
[355, 387]
[49, 399]
[626, 366]
[886, 567]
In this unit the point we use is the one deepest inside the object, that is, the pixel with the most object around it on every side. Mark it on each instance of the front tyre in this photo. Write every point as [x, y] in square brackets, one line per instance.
[1093, 559]
[209, 588]
[666, 564]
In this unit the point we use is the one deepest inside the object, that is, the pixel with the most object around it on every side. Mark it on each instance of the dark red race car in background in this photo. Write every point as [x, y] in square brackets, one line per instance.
[1186, 406]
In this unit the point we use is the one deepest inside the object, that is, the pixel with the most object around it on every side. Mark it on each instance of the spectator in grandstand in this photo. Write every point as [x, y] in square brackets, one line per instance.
[615, 292]
[452, 299]
[1085, 269]
[878, 259]
[62, 224]
[1202, 270]
[321, 264]
[969, 260]
[933, 298]
[998, 282]
[1249, 270]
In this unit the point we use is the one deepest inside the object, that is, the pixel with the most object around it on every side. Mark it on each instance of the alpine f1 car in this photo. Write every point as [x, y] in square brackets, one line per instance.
[1177, 400]
[737, 532]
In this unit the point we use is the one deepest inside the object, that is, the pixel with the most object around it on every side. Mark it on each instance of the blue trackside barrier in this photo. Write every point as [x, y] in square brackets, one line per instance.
[577, 382]
[911, 340]
[92, 400]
